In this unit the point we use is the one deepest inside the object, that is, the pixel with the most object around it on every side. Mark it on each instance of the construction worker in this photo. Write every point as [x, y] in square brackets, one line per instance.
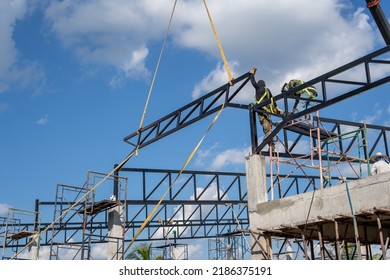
[262, 94]
[381, 164]
[310, 93]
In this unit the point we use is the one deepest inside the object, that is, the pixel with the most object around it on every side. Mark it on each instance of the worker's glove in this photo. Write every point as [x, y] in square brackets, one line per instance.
[285, 87]
[253, 70]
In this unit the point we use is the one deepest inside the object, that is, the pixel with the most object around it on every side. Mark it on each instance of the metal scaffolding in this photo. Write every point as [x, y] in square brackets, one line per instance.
[19, 227]
[338, 152]
[80, 226]
[171, 251]
[229, 246]
[308, 241]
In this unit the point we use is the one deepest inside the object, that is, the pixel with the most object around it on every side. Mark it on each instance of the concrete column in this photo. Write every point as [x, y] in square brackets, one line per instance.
[34, 248]
[256, 181]
[115, 233]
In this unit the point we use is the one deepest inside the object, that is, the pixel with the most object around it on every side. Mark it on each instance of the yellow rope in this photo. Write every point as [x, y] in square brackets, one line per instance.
[231, 79]
[155, 72]
[178, 175]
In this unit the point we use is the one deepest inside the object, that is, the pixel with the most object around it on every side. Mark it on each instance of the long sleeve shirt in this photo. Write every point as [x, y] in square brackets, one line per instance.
[380, 167]
[259, 87]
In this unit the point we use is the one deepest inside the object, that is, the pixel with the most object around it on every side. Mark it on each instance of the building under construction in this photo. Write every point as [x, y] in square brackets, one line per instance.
[312, 197]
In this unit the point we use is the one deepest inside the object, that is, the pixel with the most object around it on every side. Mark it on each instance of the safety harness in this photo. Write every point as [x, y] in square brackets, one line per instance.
[271, 108]
[310, 90]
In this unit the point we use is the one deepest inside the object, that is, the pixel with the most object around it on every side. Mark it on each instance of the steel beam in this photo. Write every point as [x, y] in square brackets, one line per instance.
[380, 19]
[326, 79]
[189, 114]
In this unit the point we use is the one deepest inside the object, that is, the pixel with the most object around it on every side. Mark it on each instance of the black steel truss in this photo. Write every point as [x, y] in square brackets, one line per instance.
[187, 209]
[323, 100]
[333, 129]
[189, 114]
[213, 102]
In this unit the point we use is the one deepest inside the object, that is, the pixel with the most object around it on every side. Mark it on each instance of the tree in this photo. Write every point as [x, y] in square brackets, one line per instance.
[142, 252]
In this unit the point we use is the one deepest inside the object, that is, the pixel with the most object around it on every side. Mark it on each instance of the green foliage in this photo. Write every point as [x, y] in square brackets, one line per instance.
[142, 252]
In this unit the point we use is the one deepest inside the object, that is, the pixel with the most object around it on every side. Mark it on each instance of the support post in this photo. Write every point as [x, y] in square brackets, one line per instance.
[34, 247]
[305, 247]
[321, 242]
[116, 183]
[257, 192]
[115, 234]
[338, 249]
[313, 256]
[253, 128]
[378, 220]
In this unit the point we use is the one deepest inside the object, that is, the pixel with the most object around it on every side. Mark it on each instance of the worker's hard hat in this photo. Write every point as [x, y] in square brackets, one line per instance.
[377, 155]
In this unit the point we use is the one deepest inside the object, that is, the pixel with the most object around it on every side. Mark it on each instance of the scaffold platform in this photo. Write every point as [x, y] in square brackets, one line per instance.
[100, 206]
[309, 129]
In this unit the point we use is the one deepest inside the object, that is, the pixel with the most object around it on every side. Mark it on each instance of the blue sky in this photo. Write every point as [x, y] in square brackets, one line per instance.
[74, 77]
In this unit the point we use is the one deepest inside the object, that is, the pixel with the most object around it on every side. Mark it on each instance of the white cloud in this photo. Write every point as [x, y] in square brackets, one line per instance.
[317, 37]
[4, 209]
[109, 33]
[331, 34]
[230, 156]
[376, 114]
[10, 12]
[99, 251]
[43, 121]
[14, 71]
[213, 159]
[302, 147]
[68, 252]
[372, 118]
[352, 170]
[196, 252]
[213, 80]
[202, 155]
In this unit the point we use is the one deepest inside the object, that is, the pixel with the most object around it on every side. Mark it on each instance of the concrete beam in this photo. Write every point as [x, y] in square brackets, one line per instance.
[327, 204]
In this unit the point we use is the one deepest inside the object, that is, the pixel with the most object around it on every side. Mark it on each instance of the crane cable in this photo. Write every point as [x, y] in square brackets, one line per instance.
[231, 79]
[155, 74]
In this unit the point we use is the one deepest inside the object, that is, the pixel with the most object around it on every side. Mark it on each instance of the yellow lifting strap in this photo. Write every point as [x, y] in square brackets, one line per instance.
[174, 181]
[231, 79]
[155, 72]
